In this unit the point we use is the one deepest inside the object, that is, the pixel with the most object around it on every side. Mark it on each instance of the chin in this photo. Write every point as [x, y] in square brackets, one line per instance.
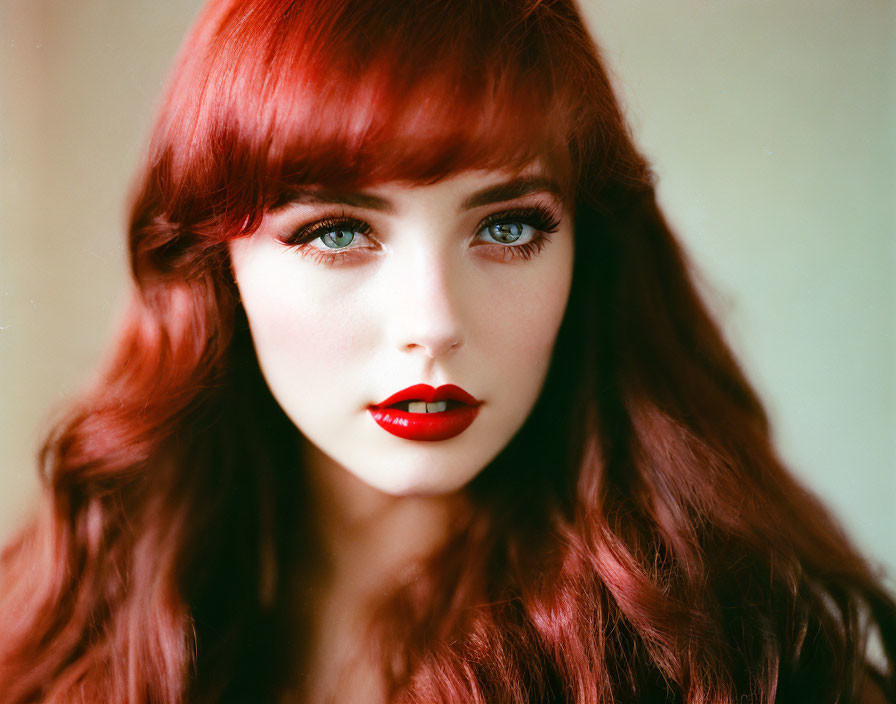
[417, 481]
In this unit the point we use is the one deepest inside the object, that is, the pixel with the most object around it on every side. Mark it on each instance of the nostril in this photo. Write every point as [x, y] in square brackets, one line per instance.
[434, 349]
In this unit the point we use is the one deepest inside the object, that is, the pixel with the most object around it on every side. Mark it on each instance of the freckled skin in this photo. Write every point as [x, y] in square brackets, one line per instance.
[417, 303]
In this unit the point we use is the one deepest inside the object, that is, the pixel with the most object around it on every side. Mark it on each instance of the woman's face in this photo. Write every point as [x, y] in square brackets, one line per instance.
[354, 297]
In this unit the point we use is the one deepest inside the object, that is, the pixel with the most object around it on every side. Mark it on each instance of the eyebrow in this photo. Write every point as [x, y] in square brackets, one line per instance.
[315, 196]
[515, 188]
[509, 190]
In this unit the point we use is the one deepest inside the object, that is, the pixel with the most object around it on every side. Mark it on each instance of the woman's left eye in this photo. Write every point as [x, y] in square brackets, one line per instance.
[518, 233]
[509, 232]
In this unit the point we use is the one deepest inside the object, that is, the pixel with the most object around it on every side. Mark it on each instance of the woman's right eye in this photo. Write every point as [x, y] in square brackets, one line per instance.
[337, 239]
[329, 241]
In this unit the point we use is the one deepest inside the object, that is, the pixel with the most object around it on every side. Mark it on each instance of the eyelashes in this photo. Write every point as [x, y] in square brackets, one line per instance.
[542, 220]
[302, 238]
[313, 230]
[524, 231]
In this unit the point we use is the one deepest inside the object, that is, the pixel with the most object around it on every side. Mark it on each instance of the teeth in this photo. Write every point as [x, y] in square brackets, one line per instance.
[423, 407]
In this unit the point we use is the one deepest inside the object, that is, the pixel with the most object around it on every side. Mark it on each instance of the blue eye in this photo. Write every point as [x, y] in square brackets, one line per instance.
[338, 239]
[518, 234]
[331, 233]
[331, 240]
[508, 232]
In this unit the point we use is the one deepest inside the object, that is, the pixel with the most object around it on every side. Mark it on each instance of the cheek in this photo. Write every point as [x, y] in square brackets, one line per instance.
[291, 329]
[305, 330]
[521, 329]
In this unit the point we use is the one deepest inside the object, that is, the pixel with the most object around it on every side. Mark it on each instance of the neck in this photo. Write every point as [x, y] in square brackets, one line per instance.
[368, 541]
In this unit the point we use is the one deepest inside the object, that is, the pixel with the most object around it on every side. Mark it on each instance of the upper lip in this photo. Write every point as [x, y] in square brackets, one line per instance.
[424, 392]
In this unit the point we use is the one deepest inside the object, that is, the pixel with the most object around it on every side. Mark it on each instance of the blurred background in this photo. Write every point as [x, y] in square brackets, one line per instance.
[771, 124]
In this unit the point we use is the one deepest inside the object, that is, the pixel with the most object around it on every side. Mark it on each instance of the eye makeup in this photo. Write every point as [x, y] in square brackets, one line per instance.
[543, 220]
[301, 238]
[540, 218]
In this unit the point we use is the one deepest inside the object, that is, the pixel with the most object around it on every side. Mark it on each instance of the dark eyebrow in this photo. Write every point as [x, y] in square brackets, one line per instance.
[498, 193]
[509, 190]
[315, 196]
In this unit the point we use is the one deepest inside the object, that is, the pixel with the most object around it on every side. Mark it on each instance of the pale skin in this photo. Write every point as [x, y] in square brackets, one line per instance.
[427, 292]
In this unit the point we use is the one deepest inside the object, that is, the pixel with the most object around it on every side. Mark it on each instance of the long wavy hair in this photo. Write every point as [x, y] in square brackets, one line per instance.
[637, 541]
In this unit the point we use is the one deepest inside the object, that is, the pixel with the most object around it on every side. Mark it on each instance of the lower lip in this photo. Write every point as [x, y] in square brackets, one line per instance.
[427, 427]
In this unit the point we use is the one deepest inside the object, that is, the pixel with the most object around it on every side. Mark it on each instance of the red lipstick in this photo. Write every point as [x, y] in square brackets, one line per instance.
[395, 416]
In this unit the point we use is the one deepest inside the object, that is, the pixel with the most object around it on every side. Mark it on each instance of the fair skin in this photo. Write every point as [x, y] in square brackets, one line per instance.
[460, 282]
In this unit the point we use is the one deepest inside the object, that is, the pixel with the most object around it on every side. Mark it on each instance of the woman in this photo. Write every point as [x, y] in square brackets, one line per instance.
[527, 469]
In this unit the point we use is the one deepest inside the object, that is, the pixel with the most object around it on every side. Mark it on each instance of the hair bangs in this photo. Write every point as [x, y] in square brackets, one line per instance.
[343, 93]
[368, 128]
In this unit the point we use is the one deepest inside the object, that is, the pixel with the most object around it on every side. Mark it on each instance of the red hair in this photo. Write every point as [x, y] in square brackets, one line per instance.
[651, 546]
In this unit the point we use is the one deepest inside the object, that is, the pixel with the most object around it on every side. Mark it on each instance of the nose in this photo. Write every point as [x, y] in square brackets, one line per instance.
[426, 313]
